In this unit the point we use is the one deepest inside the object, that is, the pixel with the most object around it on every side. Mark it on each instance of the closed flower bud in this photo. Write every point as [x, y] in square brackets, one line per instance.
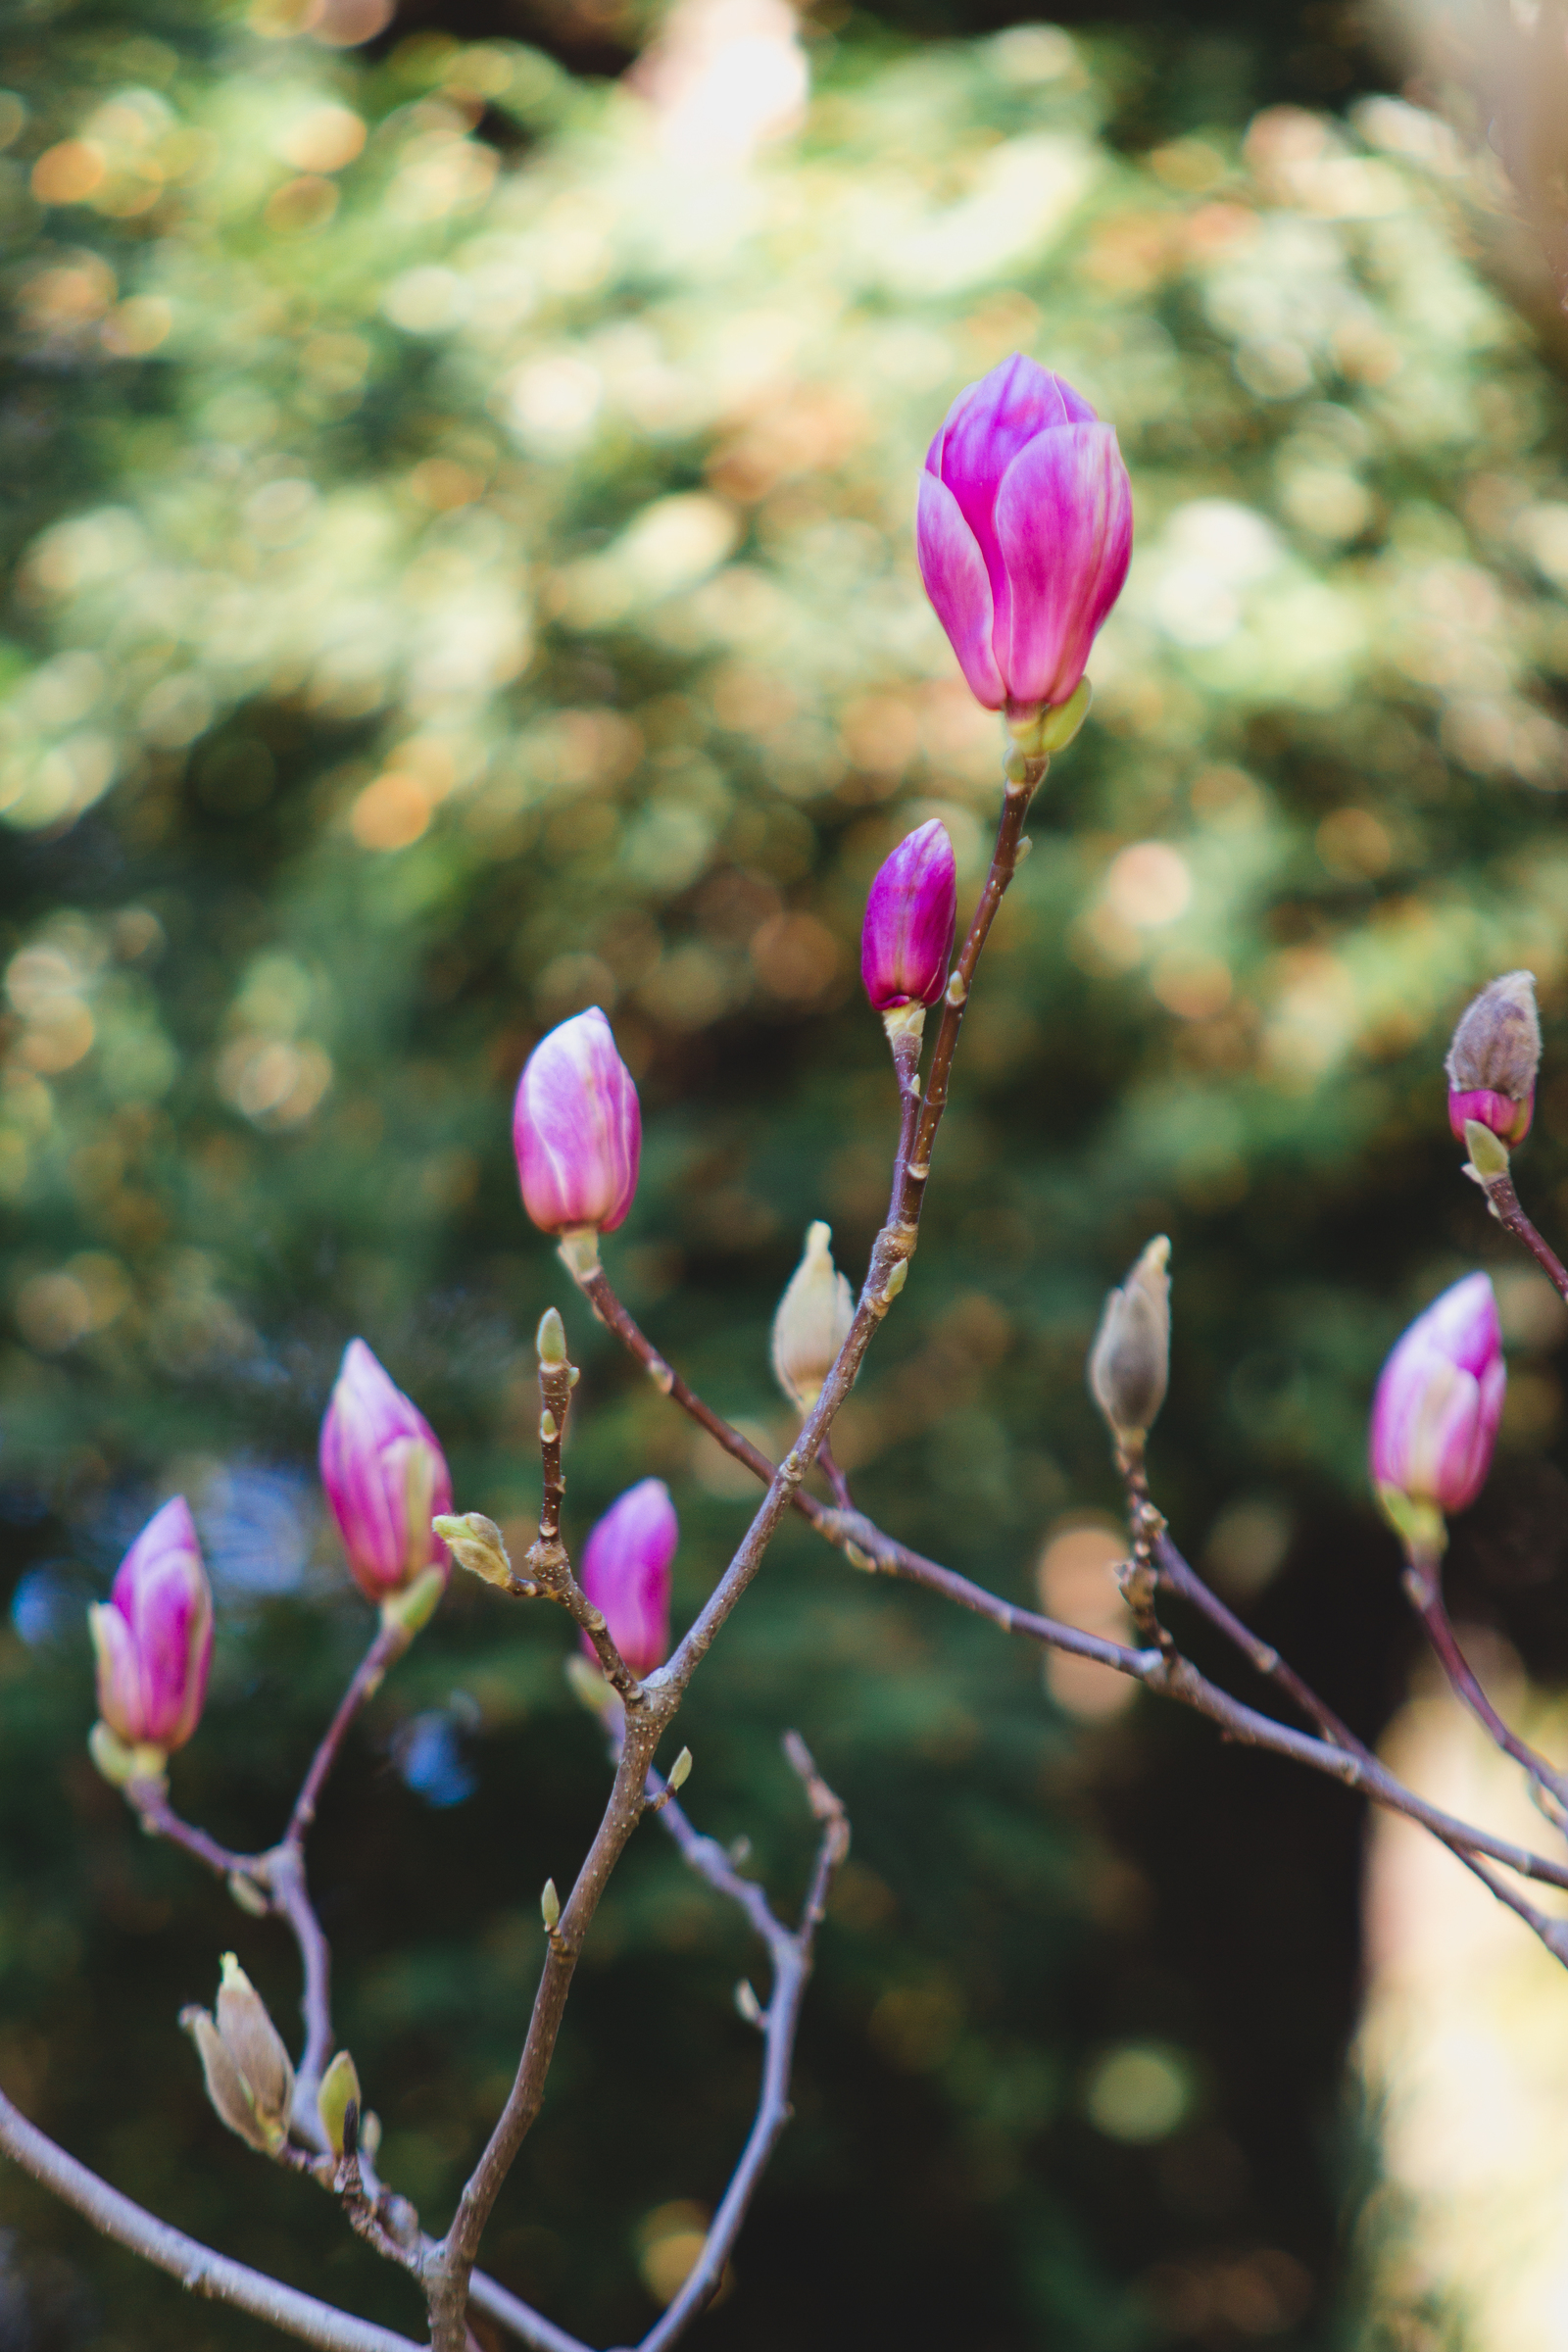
[627, 1573]
[577, 1130]
[153, 1641]
[1024, 533]
[385, 1478]
[909, 915]
[1435, 1410]
[812, 1323]
[249, 2079]
[1493, 1058]
[1129, 1363]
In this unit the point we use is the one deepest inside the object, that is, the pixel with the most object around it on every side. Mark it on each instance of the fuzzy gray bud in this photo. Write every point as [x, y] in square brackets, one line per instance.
[1129, 1363]
[812, 1322]
[249, 2079]
[1496, 1046]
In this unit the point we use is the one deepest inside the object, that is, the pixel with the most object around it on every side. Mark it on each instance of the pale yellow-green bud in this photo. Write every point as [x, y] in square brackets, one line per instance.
[476, 1543]
[812, 1322]
[339, 2091]
[1129, 1363]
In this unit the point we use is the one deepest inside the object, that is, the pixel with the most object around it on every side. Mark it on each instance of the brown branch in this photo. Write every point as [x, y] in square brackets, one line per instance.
[199, 2270]
[1425, 1593]
[384, 1651]
[448, 2272]
[1503, 1203]
[791, 1957]
[867, 1547]
[1177, 1577]
[657, 1699]
[548, 1562]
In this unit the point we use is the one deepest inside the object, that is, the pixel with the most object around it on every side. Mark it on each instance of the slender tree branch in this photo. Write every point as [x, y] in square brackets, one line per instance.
[868, 1547]
[449, 2271]
[548, 1562]
[199, 2270]
[149, 1800]
[791, 1957]
[384, 1651]
[1424, 1588]
[1503, 1201]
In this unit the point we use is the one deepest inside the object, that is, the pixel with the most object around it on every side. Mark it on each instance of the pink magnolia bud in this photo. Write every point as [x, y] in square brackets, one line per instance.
[385, 1478]
[576, 1129]
[1024, 533]
[1493, 1058]
[625, 1573]
[153, 1636]
[910, 918]
[1438, 1405]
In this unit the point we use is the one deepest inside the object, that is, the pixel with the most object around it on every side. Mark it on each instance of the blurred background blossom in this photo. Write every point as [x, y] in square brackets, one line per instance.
[460, 571]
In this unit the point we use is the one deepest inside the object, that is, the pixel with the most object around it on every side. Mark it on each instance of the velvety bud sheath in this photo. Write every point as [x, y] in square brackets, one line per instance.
[627, 1573]
[1437, 1404]
[577, 1129]
[249, 2079]
[385, 1478]
[812, 1322]
[1493, 1058]
[153, 1640]
[1129, 1363]
[1024, 533]
[910, 916]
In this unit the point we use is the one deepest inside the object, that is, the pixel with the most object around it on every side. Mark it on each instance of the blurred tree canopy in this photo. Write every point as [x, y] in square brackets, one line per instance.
[460, 562]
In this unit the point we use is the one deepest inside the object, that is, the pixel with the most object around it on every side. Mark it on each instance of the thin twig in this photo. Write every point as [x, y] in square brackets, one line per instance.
[868, 1547]
[791, 1957]
[1425, 1593]
[199, 2270]
[1505, 1203]
[388, 1647]
[1177, 1577]
[548, 1562]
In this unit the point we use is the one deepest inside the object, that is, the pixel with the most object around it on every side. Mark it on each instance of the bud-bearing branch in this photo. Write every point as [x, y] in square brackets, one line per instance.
[1024, 532]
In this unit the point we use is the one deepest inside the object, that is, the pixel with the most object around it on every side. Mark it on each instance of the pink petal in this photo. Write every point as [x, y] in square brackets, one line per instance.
[955, 577]
[1064, 525]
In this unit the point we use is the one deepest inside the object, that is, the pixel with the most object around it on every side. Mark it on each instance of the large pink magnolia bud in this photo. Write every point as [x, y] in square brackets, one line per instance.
[1436, 1407]
[627, 1573]
[1024, 533]
[910, 916]
[154, 1639]
[1493, 1058]
[577, 1129]
[385, 1477]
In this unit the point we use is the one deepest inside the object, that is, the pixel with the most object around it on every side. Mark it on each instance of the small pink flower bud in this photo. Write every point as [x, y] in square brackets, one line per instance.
[910, 916]
[627, 1573]
[1493, 1058]
[385, 1478]
[1024, 533]
[1437, 1404]
[576, 1129]
[153, 1636]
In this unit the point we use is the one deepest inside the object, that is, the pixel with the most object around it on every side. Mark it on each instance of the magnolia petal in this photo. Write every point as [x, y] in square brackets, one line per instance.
[1064, 527]
[627, 1573]
[954, 576]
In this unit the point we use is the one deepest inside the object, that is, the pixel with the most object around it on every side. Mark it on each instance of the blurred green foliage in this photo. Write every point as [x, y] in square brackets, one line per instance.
[461, 571]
